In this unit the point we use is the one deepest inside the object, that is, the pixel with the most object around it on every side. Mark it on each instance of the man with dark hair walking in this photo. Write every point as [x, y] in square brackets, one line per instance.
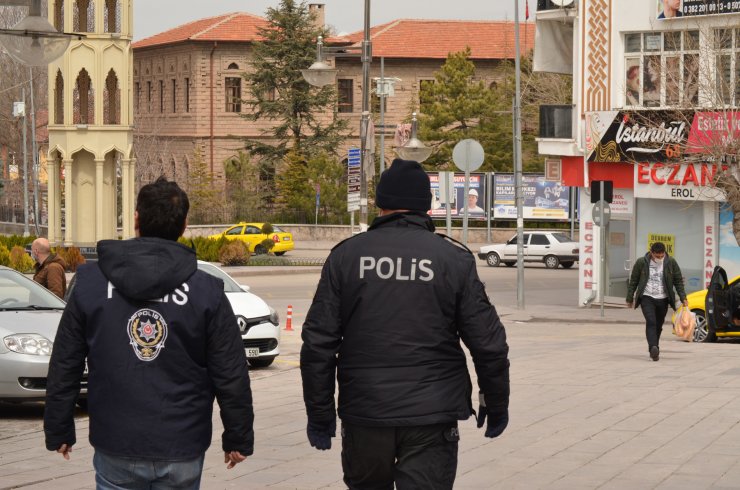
[161, 341]
[651, 286]
[390, 309]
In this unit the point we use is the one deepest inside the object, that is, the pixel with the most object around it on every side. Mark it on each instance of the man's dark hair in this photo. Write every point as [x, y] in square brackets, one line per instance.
[657, 247]
[163, 208]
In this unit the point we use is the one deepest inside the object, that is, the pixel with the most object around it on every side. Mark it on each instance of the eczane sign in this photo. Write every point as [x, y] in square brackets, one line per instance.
[676, 181]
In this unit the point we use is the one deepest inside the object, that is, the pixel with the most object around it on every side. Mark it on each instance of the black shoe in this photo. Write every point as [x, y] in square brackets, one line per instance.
[654, 353]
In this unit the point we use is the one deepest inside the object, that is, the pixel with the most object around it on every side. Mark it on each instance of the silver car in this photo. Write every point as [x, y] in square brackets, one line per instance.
[29, 317]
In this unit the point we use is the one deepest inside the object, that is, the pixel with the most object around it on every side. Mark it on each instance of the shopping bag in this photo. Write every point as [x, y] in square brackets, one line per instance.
[685, 324]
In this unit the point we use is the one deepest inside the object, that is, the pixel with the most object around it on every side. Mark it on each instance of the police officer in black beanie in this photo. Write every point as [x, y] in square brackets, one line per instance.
[386, 321]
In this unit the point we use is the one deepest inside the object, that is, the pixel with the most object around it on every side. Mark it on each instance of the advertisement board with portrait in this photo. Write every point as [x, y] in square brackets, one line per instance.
[542, 199]
[670, 9]
[476, 198]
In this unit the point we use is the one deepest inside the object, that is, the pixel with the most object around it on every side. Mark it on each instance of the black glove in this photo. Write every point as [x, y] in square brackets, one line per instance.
[320, 434]
[498, 418]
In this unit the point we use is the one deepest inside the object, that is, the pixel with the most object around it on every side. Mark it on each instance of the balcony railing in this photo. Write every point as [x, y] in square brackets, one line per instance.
[556, 121]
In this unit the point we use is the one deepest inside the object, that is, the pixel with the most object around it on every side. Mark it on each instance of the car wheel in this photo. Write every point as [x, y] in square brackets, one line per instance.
[279, 254]
[261, 362]
[567, 265]
[260, 250]
[509, 264]
[552, 262]
[701, 332]
[493, 260]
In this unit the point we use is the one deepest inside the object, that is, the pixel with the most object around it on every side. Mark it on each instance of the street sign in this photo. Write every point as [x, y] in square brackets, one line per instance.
[596, 213]
[468, 155]
[354, 177]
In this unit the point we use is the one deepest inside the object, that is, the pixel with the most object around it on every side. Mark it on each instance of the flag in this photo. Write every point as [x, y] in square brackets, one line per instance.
[526, 10]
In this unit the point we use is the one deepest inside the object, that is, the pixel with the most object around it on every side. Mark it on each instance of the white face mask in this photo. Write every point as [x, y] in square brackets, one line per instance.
[658, 261]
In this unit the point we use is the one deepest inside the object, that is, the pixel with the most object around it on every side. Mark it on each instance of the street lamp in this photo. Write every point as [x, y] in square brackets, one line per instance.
[34, 41]
[414, 149]
[321, 74]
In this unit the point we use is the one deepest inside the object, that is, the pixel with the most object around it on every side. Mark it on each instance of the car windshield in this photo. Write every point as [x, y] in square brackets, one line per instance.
[562, 238]
[230, 286]
[19, 292]
[277, 230]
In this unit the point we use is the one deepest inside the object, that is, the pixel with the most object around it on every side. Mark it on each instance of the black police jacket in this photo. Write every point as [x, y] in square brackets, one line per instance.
[161, 340]
[388, 315]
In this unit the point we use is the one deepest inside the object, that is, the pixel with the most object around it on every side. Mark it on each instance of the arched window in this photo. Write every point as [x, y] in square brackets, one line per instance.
[59, 15]
[112, 16]
[84, 16]
[84, 99]
[59, 99]
[233, 66]
[112, 100]
[173, 170]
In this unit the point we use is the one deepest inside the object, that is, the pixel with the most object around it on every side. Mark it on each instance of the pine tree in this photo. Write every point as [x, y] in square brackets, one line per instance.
[298, 187]
[206, 203]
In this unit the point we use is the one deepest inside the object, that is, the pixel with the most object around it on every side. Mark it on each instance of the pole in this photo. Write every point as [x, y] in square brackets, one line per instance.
[365, 121]
[518, 168]
[465, 198]
[489, 205]
[382, 115]
[25, 167]
[35, 161]
[572, 192]
[449, 182]
[602, 245]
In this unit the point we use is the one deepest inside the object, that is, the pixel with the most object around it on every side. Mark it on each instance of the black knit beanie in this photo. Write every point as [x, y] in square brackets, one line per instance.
[404, 185]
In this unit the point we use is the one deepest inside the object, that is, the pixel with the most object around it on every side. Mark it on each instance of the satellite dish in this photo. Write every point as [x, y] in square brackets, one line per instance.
[562, 3]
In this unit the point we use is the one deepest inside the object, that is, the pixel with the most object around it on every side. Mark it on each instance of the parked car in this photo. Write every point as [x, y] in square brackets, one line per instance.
[715, 308]
[552, 248]
[29, 317]
[251, 234]
[259, 323]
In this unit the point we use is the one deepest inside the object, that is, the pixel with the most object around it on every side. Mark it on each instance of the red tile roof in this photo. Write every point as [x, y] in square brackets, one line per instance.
[234, 27]
[435, 39]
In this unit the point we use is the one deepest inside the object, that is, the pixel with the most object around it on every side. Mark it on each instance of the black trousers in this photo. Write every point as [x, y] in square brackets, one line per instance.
[412, 457]
[654, 311]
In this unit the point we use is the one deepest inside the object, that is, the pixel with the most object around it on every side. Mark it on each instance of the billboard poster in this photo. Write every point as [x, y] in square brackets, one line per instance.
[542, 199]
[476, 198]
[693, 8]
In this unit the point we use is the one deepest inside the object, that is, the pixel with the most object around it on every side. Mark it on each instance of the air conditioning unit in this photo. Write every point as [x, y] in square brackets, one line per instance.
[563, 3]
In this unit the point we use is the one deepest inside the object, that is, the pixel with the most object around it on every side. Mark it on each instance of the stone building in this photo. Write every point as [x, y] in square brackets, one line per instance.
[188, 85]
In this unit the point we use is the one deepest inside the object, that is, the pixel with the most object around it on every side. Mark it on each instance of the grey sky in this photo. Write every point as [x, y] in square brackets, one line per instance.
[154, 16]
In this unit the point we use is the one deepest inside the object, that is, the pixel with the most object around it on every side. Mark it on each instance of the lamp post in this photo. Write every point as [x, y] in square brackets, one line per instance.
[518, 167]
[414, 149]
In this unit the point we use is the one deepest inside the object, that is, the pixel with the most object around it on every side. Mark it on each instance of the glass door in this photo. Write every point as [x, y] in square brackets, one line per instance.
[618, 259]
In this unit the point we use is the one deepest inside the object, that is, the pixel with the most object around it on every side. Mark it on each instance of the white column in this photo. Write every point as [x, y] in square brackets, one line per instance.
[51, 200]
[99, 204]
[69, 237]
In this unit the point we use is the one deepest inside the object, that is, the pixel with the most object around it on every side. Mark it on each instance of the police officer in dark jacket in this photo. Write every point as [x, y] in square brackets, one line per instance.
[387, 318]
[161, 341]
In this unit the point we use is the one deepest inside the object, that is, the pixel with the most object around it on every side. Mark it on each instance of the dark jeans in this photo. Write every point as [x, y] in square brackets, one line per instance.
[412, 457]
[116, 473]
[654, 311]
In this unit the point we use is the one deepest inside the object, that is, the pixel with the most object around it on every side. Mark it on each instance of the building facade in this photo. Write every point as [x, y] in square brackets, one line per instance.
[189, 93]
[654, 92]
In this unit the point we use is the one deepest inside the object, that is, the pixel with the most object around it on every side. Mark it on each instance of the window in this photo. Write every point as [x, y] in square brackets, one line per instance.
[137, 95]
[161, 96]
[111, 100]
[345, 99]
[59, 99]
[233, 66]
[149, 96]
[376, 101]
[84, 99]
[84, 16]
[233, 94]
[112, 16]
[539, 240]
[425, 99]
[727, 67]
[661, 68]
[59, 15]
[187, 95]
[174, 95]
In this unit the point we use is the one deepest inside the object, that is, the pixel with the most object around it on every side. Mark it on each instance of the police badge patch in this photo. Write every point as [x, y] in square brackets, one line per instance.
[147, 332]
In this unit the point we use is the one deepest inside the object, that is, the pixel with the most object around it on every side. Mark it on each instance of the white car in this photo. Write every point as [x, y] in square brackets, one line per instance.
[258, 322]
[552, 248]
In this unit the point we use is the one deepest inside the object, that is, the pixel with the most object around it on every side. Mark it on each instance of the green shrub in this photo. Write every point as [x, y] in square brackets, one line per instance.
[267, 229]
[71, 256]
[19, 259]
[5, 255]
[267, 244]
[235, 252]
[206, 249]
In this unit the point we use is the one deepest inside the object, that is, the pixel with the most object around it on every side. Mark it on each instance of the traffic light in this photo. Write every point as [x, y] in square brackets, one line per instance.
[596, 188]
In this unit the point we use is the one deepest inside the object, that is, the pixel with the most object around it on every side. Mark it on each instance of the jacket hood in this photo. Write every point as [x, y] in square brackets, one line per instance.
[146, 268]
[53, 258]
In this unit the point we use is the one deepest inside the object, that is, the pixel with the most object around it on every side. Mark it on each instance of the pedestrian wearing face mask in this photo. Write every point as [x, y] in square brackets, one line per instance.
[651, 286]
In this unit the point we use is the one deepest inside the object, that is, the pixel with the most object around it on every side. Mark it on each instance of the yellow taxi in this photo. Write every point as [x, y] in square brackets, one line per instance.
[251, 234]
[709, 331]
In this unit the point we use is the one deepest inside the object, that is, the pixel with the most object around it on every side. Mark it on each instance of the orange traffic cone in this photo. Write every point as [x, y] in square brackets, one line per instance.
[289, 319]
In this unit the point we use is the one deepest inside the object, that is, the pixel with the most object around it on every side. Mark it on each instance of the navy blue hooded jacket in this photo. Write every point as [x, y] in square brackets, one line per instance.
[161, 342]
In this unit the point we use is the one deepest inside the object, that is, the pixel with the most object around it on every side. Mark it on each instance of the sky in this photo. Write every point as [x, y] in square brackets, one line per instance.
[154, 16]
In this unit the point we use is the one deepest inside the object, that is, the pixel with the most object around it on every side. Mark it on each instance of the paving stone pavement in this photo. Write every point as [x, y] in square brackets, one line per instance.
[589, 410]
